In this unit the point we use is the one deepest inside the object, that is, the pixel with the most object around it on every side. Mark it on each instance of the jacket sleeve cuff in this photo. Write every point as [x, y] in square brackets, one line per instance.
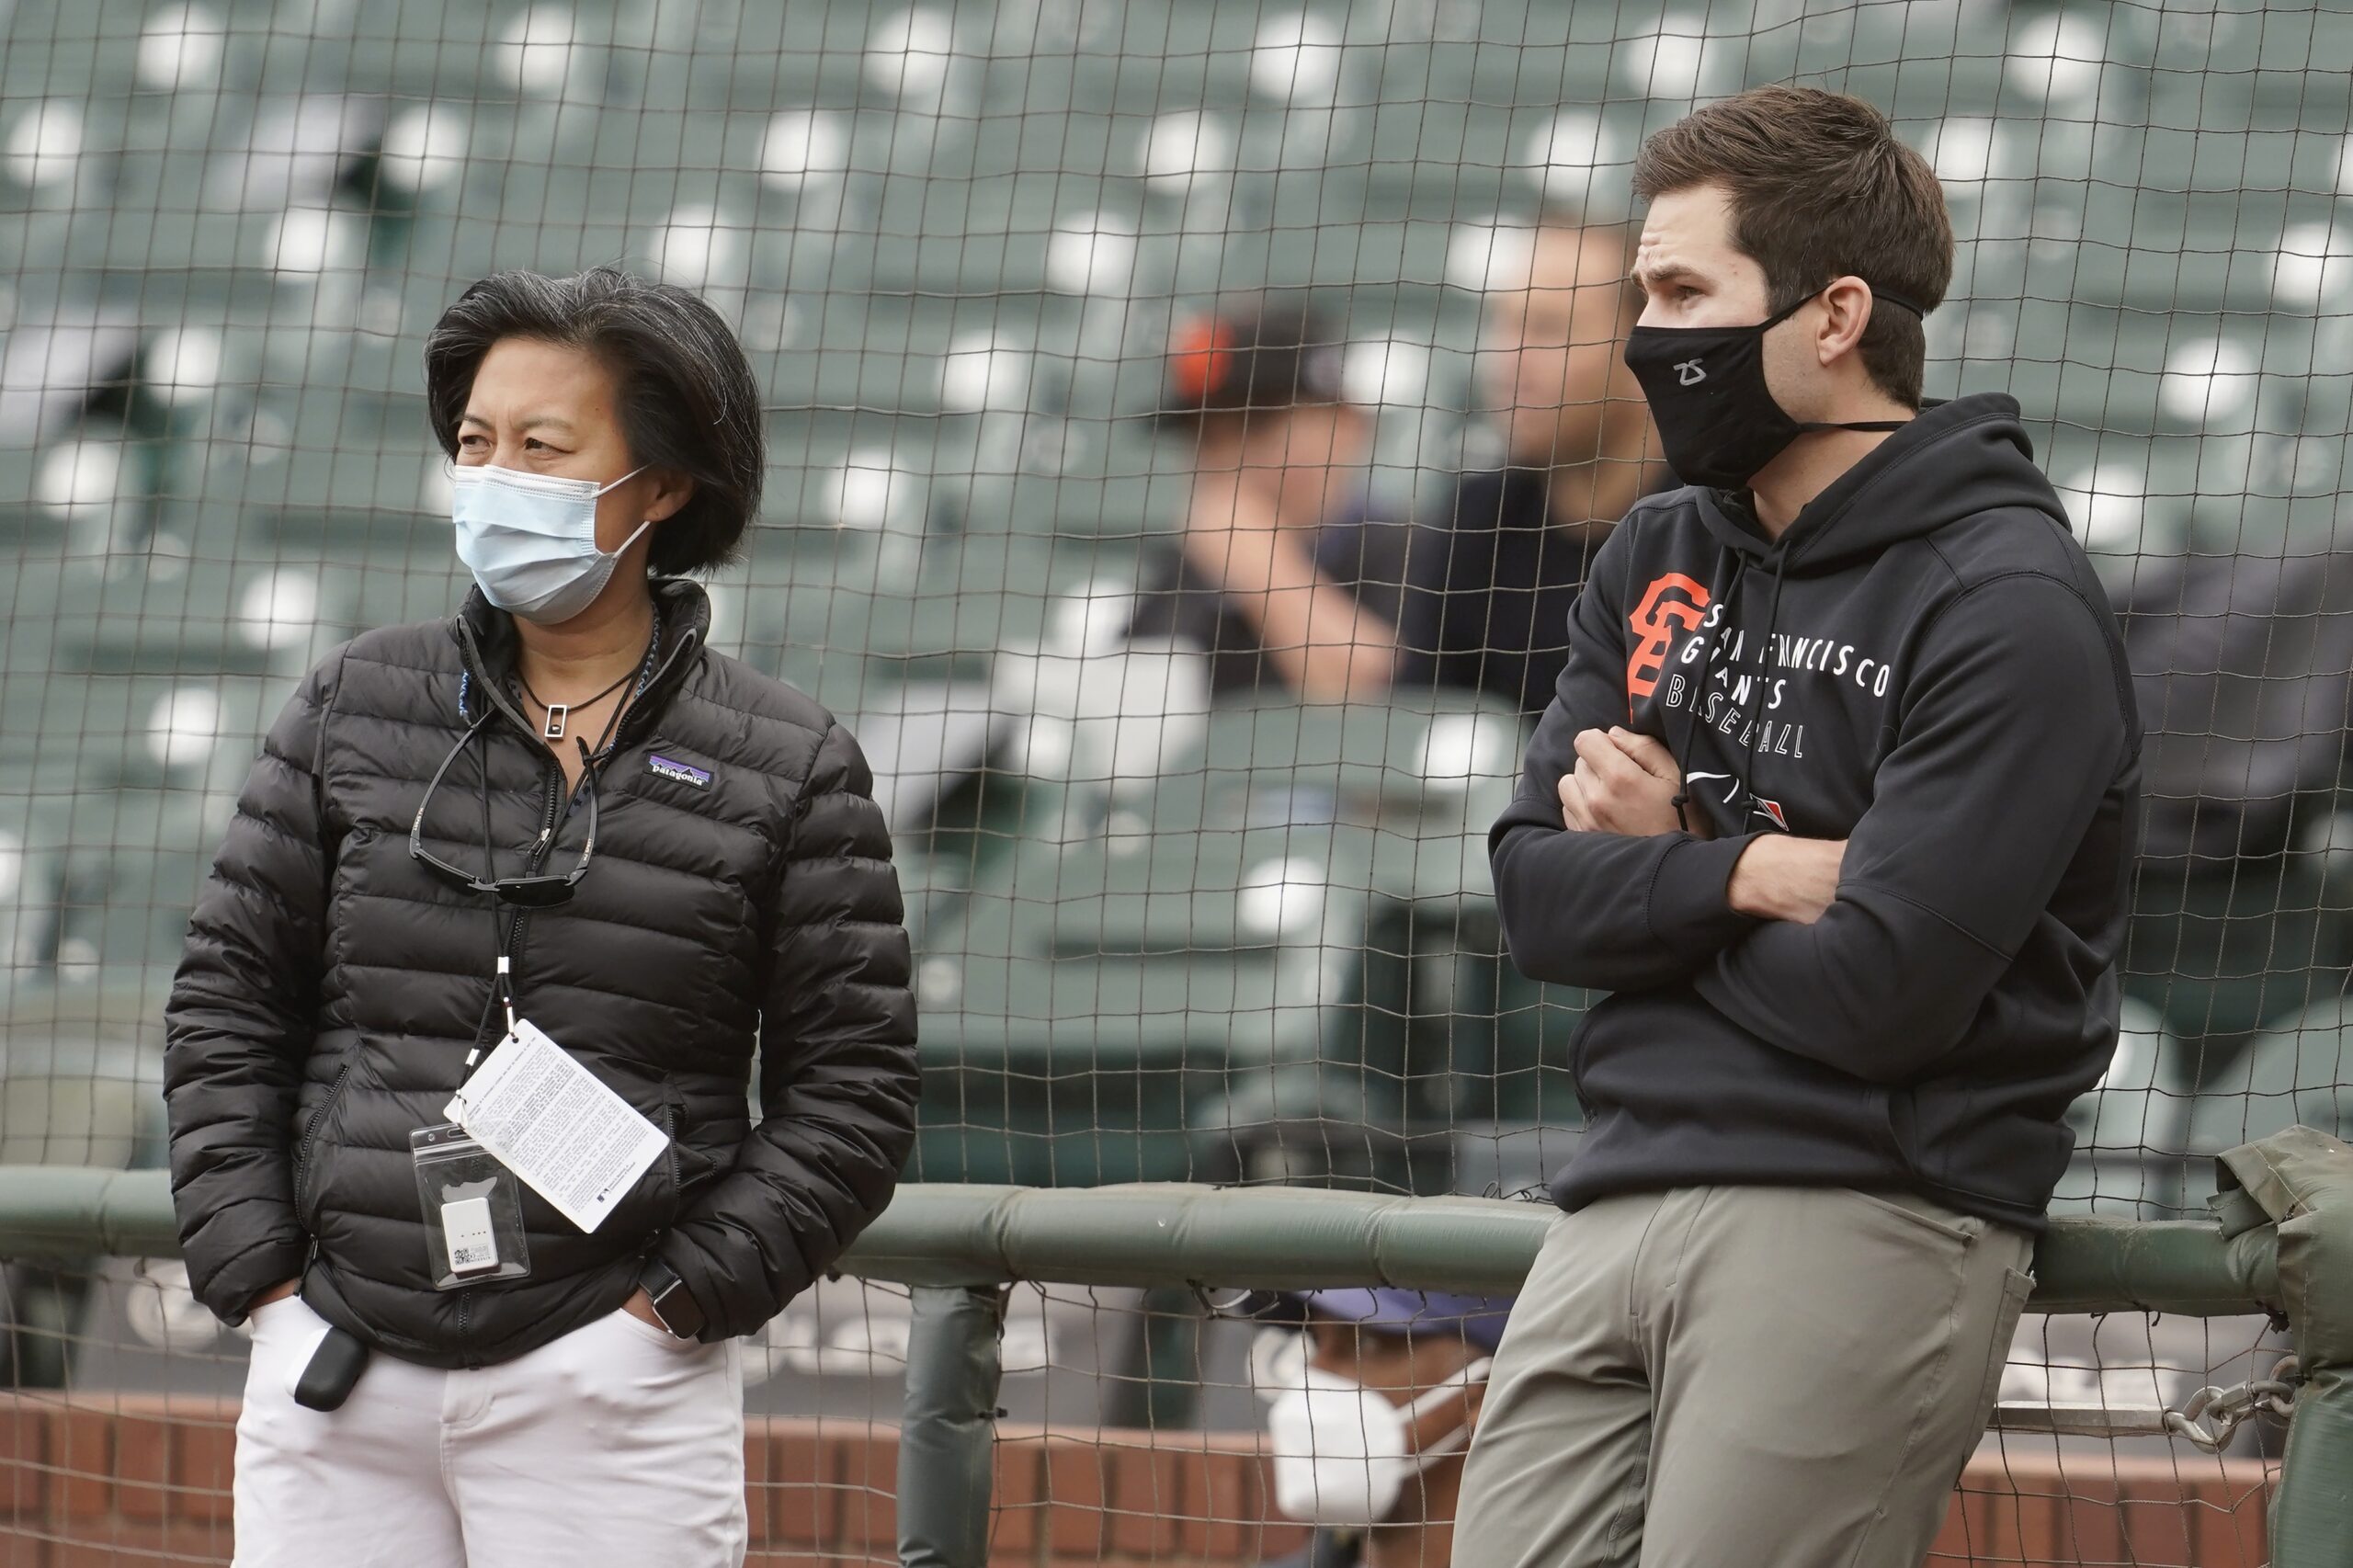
[248, 1274]
[1689, 903]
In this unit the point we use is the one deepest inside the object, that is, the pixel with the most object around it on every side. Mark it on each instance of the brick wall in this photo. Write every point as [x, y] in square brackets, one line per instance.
[124, 1480]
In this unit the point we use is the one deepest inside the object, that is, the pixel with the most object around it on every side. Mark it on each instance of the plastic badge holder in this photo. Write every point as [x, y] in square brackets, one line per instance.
[473, 1208]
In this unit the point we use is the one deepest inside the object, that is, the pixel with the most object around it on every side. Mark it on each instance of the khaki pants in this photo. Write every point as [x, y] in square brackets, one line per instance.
[1771, 1377]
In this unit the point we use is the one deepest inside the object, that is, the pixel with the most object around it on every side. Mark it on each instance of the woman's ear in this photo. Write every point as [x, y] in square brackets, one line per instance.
[672, 490]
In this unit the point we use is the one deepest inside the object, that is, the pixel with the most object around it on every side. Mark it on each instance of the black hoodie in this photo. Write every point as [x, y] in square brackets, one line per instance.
[1924, 665]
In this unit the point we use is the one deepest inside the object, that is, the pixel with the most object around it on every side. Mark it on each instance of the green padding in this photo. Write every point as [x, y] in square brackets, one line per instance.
[2304, 1179]
[946, 1442]
[67, 1211]
[1271, 1238]
[2312, 1523]
[2094, 1263]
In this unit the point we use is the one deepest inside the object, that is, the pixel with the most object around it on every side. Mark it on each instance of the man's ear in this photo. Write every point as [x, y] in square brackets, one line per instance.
[1846, 307]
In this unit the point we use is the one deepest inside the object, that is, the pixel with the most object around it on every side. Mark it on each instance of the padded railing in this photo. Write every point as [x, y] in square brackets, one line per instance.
[954, 1245]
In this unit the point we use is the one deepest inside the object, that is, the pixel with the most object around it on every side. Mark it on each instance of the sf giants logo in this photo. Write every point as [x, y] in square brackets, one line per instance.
[1654, 623]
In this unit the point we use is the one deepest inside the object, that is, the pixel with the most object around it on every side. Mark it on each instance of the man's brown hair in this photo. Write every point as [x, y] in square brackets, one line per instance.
[1821, 187]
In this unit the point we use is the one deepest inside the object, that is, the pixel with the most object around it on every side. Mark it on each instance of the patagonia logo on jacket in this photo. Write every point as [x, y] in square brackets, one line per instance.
[680, 772]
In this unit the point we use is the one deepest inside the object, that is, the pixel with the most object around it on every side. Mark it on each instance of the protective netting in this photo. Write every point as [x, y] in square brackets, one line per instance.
[1172, 922]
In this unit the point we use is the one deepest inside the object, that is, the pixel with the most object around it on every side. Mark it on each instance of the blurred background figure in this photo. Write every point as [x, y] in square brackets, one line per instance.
[1373, 1395]
[1492, 575]
[1281, 575]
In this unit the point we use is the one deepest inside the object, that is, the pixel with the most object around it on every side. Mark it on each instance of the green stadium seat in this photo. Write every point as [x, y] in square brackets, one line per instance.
[426, 46]
[1057, 1054]
[845, 611]
[1215, 979]
[2130, 1130]
[139, 860]
[2299, 1071]
[81, 1074]
[2223, 951]
[182, 624]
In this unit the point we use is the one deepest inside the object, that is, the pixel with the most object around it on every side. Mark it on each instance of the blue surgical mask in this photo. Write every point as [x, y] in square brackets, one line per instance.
[530, 538]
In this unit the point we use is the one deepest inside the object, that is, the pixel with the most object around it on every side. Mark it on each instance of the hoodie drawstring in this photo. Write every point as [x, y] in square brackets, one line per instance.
[1727, 599]
[1764, 656]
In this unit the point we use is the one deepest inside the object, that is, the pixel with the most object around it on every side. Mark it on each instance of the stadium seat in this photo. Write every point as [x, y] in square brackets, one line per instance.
[1058, 1054]
[180, 623]
[81, 1074]
[2130, 1129]
[2223, 951]
[1209, 973]
[846, 611]
[2298, 1072]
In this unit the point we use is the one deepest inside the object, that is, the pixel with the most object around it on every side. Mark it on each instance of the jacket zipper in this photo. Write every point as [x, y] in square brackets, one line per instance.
[670, 1128]
[553, 774]
[515, 929]
[311, 1133]
[556, 797]
[632, 724]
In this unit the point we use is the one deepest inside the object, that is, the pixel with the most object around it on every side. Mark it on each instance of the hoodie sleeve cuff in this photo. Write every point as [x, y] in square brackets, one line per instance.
[1689, 901]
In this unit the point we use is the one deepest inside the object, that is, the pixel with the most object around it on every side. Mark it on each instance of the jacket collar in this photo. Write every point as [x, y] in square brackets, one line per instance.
[487, 641]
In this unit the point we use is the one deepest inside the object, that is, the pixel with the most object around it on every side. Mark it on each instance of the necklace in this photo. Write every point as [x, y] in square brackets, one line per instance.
[558, 713]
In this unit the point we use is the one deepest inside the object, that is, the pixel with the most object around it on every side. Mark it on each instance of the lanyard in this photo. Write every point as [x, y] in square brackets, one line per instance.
[504, 930]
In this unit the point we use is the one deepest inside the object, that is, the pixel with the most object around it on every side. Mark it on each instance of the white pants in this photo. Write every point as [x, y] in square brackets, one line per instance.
[618, 1444]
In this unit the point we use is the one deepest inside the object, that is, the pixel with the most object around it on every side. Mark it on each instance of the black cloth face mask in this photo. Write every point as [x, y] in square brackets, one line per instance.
[1717, 421]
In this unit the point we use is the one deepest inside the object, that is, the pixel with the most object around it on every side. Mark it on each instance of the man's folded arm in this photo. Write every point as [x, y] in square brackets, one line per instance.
[1612, 911]
[2013, 728]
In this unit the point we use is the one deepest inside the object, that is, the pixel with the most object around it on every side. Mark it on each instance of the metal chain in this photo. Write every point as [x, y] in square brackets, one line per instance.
[2230, 1408]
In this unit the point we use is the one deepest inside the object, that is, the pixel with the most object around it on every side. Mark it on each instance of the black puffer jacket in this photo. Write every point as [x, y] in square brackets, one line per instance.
[332, 987]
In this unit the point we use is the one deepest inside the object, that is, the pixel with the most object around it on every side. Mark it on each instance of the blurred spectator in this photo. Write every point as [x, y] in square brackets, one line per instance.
[1373, 1396]
[2245, 666]
[1282, 576]
[1492, 577]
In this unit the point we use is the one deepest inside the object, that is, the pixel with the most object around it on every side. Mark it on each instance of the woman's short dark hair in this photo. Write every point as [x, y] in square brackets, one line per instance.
[687, 400]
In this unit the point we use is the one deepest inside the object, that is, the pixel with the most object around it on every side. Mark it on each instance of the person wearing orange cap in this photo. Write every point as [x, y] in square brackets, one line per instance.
[1281, 576]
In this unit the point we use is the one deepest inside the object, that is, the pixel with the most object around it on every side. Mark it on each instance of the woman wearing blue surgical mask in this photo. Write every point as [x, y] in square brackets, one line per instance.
[459, 1050]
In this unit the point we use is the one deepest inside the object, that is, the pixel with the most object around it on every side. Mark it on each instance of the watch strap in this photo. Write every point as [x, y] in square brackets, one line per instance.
[673, 1303]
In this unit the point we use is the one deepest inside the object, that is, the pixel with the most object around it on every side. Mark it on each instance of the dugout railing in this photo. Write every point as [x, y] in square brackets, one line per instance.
[2279, 1241]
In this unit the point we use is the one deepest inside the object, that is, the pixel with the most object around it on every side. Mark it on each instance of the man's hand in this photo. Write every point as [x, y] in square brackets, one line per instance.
[1779, 878]
[640, 1305]
[277, 1292]
[1623, 783]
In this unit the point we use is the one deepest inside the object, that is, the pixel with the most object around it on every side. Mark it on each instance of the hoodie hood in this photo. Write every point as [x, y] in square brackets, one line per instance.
[1956, 459]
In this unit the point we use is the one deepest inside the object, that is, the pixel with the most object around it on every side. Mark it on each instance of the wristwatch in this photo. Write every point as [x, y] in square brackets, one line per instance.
[673, 1303]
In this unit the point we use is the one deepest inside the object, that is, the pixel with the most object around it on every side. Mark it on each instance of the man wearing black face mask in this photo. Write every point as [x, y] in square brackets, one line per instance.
[1835, 795]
